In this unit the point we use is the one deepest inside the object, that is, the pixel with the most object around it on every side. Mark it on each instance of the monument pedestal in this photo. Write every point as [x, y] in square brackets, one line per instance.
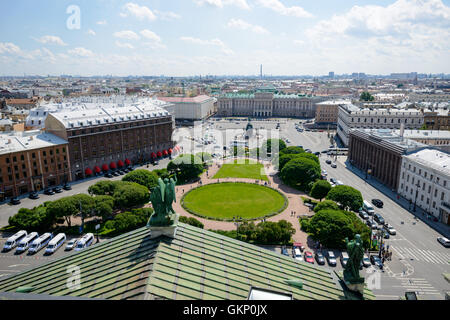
[168, 230]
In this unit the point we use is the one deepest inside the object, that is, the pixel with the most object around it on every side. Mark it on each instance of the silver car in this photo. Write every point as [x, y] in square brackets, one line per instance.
[331, 258]
[71, 244]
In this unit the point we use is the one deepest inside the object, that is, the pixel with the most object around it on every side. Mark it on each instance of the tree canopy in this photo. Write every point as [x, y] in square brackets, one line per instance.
[326, 204]
[277, 144]
[36, 219]
[130, 195]
[366, 96]
[320, 189]
[300, 173]
[186, 167]
[347, 197]
[142, 177]
[291, 150]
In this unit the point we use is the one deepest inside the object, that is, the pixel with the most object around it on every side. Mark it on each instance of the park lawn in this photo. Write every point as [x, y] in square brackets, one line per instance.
[228, 200]
[250, 169]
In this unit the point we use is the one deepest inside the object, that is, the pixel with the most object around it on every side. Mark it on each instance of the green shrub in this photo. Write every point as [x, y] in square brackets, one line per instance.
[143, 177]
[191, 221]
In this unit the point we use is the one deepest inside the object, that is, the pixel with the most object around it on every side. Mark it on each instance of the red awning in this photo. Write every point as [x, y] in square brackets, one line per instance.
[165, 152]
[298, 244]
[105, 167]
[88, 171]
[112, 165]
[153, 155]
[170, 151]
[97, 169]
[120, 163]
[159, 154]
[127, 162]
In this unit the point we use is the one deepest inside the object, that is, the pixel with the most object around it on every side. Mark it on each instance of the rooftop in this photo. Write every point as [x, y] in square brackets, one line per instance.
[197, 99]
[27, 140]
[196, 264]
[432, 158]
[424, 134]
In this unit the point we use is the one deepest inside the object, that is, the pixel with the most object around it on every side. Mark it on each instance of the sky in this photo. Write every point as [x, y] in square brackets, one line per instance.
[223, 37]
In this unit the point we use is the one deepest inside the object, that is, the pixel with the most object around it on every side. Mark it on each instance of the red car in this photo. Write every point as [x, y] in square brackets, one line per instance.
[309, 257]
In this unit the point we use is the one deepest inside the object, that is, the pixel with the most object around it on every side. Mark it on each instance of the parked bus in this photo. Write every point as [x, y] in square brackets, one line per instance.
[338, 151]
[85, 241]
[25, 242]
[12, 241]
[55, 243]
[40, 242]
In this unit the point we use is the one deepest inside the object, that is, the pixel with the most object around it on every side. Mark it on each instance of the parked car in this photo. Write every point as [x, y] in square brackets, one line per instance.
[49, 192]
[324, 151]
[377, 203]
[333, 180]
[108, 175]
[57, 189]
[309, 257]
[390, 229]
[376, 261]
[121, 172]
[67, 187]
[156, 163]
[378, 218]
[14, 201]
[116, 174]
[333, 165]
[328, 161]
[33, 195]
[363, 215]
[339, 183]
[319, 258]
[296, 254]
[344, 258]
[331, 258]
[366, 261]
[284, 251]
[386, 235]
[324, 172]
[444, 241]
[71, 244]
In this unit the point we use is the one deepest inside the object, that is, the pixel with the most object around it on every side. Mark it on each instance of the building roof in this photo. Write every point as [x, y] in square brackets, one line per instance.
[334, 102]
[425, 134]
[197, 99]
[27, 140]
[21, 101]
[196, 264]
[432, 158]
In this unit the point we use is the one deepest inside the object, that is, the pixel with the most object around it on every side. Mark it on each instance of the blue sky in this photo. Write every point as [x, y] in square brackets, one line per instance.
[193, 37]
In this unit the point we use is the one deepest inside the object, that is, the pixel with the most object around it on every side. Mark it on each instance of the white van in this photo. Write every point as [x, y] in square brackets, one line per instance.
[367, 207]
[85, 241]
[25, 242]
[55, 243]
[298, 255]
[12, 241]
[40, 242]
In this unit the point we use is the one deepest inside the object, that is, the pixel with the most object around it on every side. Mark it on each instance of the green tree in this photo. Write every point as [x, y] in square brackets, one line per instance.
[366, 96]
[63, 208]
[103, 206]
[191, 221]
[267, 146]
[85, 205]
[36, 219]
[424, 127]
[284, 159]
[300, 173]
[320, 189]
[292, 150]
[205, 157]
[130, 195]
[186, 167]
[346, 197]
[309, 156]
[104, 187]
[143, 177]
[326, 205]
[331, 227]
[274, 232]
[162, 173]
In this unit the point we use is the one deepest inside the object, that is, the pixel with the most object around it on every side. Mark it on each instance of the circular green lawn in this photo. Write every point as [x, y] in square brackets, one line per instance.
[229, 199]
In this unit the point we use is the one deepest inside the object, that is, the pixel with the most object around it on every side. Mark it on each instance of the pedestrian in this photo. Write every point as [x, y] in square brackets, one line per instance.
[183, 190]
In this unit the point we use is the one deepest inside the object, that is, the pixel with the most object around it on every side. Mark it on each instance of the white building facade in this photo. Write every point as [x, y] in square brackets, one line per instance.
[354, 117]
[425, 181]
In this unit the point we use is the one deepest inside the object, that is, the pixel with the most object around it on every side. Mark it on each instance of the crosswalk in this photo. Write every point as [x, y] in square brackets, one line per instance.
[435, 257]
[418, 285]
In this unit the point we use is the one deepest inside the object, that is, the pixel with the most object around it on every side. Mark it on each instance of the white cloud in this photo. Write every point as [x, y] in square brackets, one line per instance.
[91, 32]
[124, 45]
[102, 22]
[81, 52]
[167, 15]
[150, 35]
[126, 34]
[51, 40]
[221, 3]
[243, 25]
[9, 47]
[279, 7]
[214, 42]
[140, 12]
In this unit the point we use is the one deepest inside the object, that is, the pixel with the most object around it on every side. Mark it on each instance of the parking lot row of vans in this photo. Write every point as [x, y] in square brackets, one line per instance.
[32, 242]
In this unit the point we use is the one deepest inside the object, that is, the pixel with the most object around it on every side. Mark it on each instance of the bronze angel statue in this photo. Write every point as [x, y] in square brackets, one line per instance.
[161, 198]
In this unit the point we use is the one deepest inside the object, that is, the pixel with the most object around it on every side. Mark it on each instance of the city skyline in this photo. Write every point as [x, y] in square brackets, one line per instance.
[225, 37]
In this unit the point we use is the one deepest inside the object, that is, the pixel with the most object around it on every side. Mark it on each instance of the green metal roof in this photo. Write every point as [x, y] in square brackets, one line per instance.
[196, 264]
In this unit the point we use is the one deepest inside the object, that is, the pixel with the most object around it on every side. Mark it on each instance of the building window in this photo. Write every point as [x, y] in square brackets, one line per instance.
[435, 192]
[442, 196]
[7, 160]
[434, 204]
[421, 198]
[429, 189]
[57, 151]
[428, 200]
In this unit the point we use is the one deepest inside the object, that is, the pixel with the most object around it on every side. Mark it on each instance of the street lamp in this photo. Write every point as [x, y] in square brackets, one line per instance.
[417, 192]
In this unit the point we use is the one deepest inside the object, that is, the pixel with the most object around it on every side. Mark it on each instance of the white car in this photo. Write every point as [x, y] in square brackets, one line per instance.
[324, 172]
[339, 183]
[71, 244]
[444, 241]
[390, 229]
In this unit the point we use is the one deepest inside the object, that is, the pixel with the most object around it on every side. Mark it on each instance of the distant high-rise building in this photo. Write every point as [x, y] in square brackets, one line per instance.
[260, 72]
[331, 74]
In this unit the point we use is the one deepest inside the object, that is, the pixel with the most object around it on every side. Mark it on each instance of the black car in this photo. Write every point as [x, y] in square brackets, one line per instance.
[57, 189]
[108, 175]
[320, 258]
[317, 153]
[377, 203]
[33, 195]
[333, 180]
[49, 192]
[126, 170]
[375, 260]
[121, 172]
[378, 218]
[130, 169]
[328, 161]
[67, 187]
[14, 201]
[324, 151]
[386, 235]
[116, 174]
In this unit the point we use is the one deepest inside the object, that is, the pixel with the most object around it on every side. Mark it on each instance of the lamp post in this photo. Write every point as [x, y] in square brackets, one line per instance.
[417, 192]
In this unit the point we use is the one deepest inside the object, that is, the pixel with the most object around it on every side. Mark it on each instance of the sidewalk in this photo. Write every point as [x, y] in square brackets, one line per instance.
[420, 213]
